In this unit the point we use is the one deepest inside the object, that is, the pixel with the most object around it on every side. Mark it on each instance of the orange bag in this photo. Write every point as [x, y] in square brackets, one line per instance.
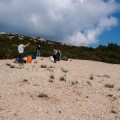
[29, 59]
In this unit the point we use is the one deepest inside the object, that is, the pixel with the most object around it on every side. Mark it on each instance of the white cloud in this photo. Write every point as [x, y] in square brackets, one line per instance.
[84, 39]
[108, 22]
[90, 35]
[78, 22]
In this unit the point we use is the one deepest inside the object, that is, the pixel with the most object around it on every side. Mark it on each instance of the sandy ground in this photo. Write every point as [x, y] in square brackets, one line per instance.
[66, 90]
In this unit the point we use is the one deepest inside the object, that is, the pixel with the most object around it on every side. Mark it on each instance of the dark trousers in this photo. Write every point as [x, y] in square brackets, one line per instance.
[54, 56]
[21, 58]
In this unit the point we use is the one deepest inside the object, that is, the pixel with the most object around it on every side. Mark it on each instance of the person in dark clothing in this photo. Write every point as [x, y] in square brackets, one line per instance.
[38, 50]
[54, 54]
[58, 55]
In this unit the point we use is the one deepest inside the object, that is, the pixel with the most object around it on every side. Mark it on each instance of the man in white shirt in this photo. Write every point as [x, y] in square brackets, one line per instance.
[21, 51]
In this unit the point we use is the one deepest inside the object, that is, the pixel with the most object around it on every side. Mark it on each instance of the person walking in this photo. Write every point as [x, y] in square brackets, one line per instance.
[21, 51]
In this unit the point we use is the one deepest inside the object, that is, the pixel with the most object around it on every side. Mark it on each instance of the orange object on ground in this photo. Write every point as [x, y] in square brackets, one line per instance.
[29, 59]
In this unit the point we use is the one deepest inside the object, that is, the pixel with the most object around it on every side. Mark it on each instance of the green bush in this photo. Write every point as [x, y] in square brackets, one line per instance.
[108, 54]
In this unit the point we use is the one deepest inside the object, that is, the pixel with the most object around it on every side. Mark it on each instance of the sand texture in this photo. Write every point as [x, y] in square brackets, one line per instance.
[66, 90]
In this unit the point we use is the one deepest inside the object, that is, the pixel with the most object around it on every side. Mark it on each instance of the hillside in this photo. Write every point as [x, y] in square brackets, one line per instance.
[9, 43]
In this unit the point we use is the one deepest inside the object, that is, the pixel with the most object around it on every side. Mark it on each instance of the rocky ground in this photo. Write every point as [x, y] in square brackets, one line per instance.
[66, 90]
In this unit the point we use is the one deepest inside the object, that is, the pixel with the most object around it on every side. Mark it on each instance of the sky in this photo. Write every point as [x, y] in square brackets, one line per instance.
[76, 22]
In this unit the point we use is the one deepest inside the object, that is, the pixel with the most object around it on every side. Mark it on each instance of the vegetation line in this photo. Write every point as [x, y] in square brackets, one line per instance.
[10, 42]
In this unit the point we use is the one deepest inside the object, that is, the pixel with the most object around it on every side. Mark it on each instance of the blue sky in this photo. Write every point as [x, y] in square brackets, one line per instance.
[112, 36]
[77, 22]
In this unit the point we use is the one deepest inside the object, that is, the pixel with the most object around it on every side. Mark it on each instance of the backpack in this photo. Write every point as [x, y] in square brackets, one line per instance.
[29, 59]
[33, 56]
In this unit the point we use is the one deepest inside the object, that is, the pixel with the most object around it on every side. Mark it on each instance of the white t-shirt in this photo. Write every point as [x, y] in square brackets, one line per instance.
[21, 48]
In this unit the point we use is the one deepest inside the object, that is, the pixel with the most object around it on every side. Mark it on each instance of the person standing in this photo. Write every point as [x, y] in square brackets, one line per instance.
[21, 51]
[54, 54]
[60, 54]
[38, 50]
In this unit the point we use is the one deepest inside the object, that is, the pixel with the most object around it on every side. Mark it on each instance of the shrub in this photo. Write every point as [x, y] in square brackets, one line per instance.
[42, 95]
[73, 83]
[43, 66]
[62, 79]
[52, 77]
[91, 77]
[109, 85]
[64, 70]
[51, 81]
